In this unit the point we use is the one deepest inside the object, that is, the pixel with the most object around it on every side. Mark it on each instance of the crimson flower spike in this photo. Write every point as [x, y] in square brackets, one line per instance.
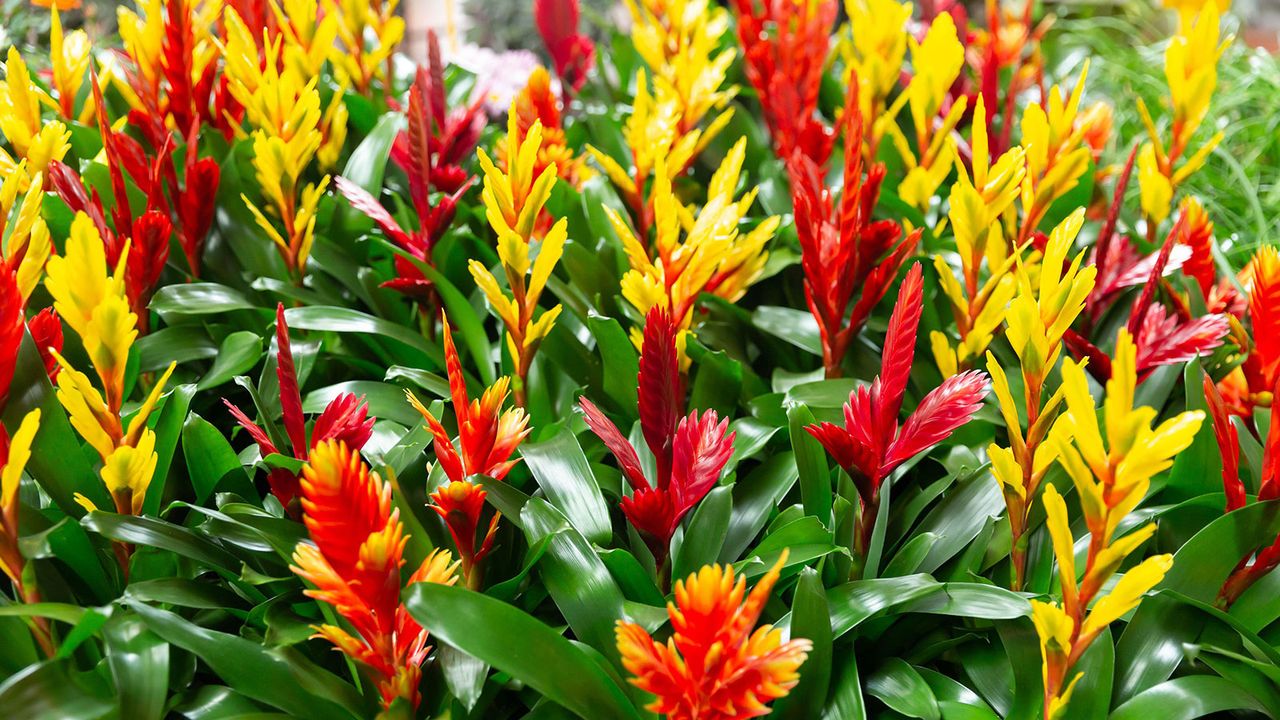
[572, 53]
[872, 444]
[451, 136]
[1162, 337]
[433, 219]
[785, 52]
[690, 451]
[345, 418]
[1257, 562]
[842, 249]
[11, 324]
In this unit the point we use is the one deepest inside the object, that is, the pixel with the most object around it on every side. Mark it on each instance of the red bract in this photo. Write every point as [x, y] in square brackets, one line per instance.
[785, 50]
[345, 418]
[450, 136]
[842, 249]
[487, 434]
[432, 218]
[46, 331]
[1162, 337]
[11, 323]
[871, 444]
[571, 52]
[1257, 562]
[690, 451]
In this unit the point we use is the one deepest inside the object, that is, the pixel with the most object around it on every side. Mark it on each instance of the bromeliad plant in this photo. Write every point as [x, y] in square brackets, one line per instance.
[292, 332]
[871, 444]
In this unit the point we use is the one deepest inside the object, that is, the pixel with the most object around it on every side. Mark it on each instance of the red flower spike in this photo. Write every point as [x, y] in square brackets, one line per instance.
[571, 52]
[845, 251]
[195, 210]
[717, 664]
[452, 136]
[690, 452]
[46, 331]
[785, 47]
[1228, 446]
[871, 445]
[487, 434]
[354, 564]
[345, 419]
[11, 324]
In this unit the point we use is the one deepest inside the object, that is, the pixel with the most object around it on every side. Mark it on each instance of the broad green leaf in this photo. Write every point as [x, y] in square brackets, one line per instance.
[517, 644]
[561, 470]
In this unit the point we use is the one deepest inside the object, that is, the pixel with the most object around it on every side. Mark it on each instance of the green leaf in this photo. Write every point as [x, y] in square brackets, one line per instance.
[811, 460]
[704, 535]
[210, 460]
[139, 662]
[847, 702]
[279, 677]
[810, 618]
[517, 644]
[166, 536]
[854, 603]
[49, 691]
[365, 168]
[345, 320]
[168, 428]
[621, 363]
[561, 469]
[239, 352]
[202, 298]
[794, 326]
[1185, 698]
[754, 497]
[899, 686]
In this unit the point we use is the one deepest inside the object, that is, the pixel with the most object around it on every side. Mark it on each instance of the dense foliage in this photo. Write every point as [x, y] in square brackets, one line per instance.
[782, 357]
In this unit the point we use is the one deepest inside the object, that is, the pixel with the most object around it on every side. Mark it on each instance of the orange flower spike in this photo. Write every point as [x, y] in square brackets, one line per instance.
[1264, 313]
[354, 564]
[714, 667]
[487, 435]
[460, 504]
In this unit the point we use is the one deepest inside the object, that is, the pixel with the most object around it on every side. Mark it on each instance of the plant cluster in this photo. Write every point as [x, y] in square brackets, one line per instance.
[766, 357]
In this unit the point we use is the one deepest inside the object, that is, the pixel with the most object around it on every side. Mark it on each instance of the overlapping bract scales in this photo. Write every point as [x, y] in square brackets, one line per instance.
[717, 665]
[354, 561]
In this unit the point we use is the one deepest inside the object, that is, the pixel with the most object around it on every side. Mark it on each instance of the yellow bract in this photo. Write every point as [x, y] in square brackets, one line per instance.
[875, 48]
[1043, 310]
[19, 454]
[69, 57]
[712, 256]
[513, 199]
[26, 236]
[680, 45]
[20, 99]
[357, 62]
[127, 471]
[1057, 156]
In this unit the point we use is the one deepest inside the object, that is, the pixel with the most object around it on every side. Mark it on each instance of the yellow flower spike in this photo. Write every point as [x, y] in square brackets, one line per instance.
[1108, 560]
[1007, 471]
[1126, 594]
[1054, 627]
[944, 356]
[137, 425]
[875, 48]
[127, 473]
[112, 329]
[69, 55]
[936, 62]
[78, 279]
[19, 103]
[19, 454]
[143, 37]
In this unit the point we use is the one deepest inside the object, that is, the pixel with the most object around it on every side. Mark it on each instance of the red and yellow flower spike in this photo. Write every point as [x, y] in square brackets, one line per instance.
[70, 54]
[1112, 476]
[537, 103]
[357, 62]
[717, 665]
[354, 561]
[874, 49]
[1038, 317]
[487, 437]
[976, 208]
[711, 257]
[513, 201]
[936, 63]
[1191, 69]
[33, 140]
[94, 305]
